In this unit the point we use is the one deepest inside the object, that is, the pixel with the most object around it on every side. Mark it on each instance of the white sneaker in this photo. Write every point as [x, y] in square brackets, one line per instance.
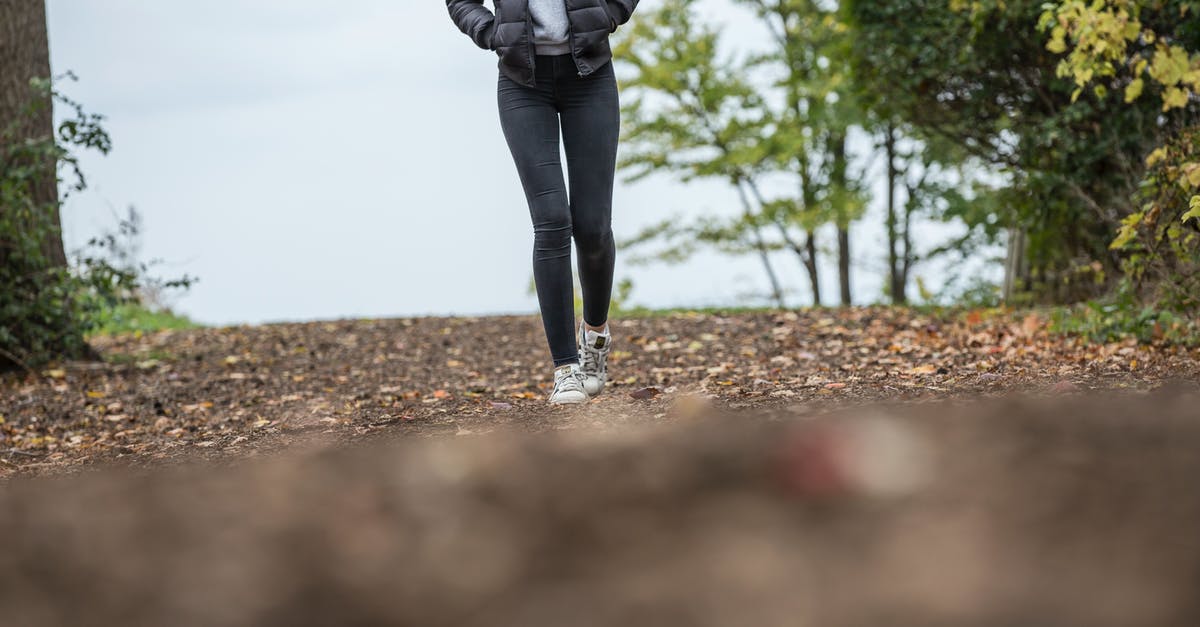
[594, 347]
[568, 385]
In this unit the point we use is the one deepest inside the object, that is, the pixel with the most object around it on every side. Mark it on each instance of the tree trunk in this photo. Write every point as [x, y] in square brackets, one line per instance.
[844, 265]
[1014, 263]
[907, 258]
[810, 264]
[24, 55]
[897, 287]
[809, 257]
[760, 246]
[838, 179]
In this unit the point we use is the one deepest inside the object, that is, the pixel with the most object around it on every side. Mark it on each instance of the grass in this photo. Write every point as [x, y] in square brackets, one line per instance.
[1115, 321]
[139, 319]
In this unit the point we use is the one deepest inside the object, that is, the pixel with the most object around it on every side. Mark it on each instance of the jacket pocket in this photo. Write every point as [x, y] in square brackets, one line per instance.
[489, 34]
[612, 21]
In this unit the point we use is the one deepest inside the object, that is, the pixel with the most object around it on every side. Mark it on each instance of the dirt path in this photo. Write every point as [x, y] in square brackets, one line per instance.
[721, 500]
[1073, 512]
[244, 391]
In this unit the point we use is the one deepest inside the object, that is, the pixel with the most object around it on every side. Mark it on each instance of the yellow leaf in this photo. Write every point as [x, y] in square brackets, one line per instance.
[1192, 171]
[1193, 209]
[924, 369]
[1133, 90]
[56, 373]
[1174, 97]
[1057, 43]
[1128, 230]
[1154, 157]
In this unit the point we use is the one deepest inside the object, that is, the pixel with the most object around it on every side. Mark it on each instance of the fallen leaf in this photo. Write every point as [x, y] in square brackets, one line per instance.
[1031, 324]
[642, 394]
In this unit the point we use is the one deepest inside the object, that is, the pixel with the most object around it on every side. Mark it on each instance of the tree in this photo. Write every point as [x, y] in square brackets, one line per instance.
[978, 75]
[691, 114]
[1146, 52]
[26, 112]
[46, 306]
[699, 116]
[809, 57]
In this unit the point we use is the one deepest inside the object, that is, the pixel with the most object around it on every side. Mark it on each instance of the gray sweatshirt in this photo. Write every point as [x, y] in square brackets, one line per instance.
[550, 35]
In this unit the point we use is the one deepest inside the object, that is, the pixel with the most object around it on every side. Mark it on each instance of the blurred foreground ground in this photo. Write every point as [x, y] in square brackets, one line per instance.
[865, 467]
[1066, 511]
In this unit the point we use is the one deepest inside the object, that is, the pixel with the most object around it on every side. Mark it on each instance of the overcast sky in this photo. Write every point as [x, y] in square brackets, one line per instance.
[310, 159]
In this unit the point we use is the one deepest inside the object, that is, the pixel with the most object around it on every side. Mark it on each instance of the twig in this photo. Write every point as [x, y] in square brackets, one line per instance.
[18, 452]
[16, 360]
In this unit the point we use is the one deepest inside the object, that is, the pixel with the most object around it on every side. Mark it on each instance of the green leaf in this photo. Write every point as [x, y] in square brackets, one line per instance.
[1128, 230]
[1193, 209]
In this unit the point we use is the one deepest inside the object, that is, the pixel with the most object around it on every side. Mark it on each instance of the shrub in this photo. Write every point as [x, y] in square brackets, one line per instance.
[46, 308]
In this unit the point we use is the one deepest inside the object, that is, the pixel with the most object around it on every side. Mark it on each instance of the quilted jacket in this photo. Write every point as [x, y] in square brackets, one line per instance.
[509, 32]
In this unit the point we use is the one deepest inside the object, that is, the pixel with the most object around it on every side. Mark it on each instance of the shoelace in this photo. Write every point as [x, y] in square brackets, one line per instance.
[569, 382]
[592, 359]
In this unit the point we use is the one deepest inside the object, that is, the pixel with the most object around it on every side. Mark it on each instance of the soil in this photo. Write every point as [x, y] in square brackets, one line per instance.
[244, 391]
[826, 468]
[1066, 511]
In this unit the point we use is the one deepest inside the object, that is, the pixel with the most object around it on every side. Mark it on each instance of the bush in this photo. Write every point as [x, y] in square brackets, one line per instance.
[1125, 315]
[47, 308]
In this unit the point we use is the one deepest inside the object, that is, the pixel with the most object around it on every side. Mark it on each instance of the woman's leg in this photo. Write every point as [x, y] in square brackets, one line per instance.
[529, 119]
[591, 119]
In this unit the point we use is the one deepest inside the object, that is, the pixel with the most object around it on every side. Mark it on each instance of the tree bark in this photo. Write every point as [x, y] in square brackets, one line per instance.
[1013, 264]
[838, 179]
[844, 264]
[809, 258]
[26, 114]
[897, 268]
[810, 264]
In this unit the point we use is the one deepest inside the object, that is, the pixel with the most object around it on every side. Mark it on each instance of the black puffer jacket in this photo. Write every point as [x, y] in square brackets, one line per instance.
[509, 31]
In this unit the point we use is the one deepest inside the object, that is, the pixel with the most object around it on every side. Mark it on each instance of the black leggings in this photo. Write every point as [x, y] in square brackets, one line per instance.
[589, 113]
